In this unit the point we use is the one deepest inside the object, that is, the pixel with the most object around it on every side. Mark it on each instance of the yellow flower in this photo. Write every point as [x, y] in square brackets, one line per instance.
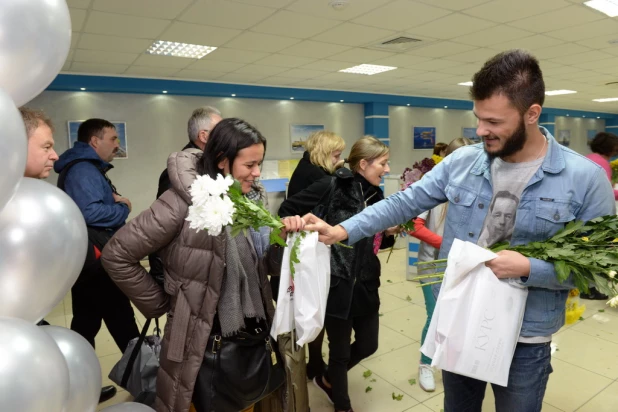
[585, 239]
[615, 240]
[573, 293]
[612, 274]
[436, 159]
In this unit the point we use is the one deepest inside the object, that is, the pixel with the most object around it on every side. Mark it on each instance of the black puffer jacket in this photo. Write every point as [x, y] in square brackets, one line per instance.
[305, 174]
[355, 273]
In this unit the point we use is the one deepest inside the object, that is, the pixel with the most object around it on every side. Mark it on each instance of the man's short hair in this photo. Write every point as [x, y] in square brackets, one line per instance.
[201, 119]
[503, 194]
[92, 127]
[515, 74]
[33, 119]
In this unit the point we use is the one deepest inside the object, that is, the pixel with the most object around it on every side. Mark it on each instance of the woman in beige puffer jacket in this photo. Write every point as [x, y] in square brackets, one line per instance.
[195, 263]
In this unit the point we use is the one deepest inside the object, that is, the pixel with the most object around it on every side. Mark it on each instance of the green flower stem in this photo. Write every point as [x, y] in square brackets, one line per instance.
[422, 285]
[431, 262]
[344, 246]
[433, 275]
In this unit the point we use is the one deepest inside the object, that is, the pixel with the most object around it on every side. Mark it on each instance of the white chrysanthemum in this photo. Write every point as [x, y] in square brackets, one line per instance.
[613, 302]
[221, 185]
[612, 274]
[204, 187]
[211, 215]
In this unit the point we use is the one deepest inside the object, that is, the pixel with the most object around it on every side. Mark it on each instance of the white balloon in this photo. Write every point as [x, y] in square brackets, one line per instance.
[13, 146]
[34, 376]
[128, 407]
[43, 242]
[35, 36]
[84, 369]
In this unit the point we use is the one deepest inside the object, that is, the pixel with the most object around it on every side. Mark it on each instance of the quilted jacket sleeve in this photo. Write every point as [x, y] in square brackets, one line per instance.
[152, 230]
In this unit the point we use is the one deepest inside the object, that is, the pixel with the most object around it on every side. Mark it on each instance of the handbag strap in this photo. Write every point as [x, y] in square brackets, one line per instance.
[136, 349]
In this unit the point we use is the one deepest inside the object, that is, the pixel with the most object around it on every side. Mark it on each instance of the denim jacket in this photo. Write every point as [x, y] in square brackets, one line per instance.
[566, 187]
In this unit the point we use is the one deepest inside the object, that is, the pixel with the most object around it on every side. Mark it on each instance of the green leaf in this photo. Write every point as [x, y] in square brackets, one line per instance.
[368, 389]
[408, 298]
[367, 374]
[581, 318]
[412, 381]
[601, 310]
[380, 314]
[389, 281]
[373, 380]
[562, 270]
[398, 397]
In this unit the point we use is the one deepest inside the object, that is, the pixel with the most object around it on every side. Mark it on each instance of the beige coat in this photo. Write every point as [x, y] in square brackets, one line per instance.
[194, 269]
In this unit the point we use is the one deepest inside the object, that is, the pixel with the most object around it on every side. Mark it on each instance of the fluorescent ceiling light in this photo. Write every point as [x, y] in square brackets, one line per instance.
[170, 48]
[82, 88]
[559, 92]
[609, 7]
[609, 99]
[465, 84]
[368, 69]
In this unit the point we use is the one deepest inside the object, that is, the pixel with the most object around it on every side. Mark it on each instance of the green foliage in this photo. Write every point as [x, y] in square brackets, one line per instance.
[298, 237]
[368, 389]
[367, 374]
[398, 397]
[412, 381]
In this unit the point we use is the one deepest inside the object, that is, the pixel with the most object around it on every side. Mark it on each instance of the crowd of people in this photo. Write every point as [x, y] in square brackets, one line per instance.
[519, 185]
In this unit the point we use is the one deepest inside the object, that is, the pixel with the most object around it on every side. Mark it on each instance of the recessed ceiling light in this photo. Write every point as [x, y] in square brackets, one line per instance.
[584, 116]
[559, 92]
[341, 101]
[609, 99]
[164, 91]
[82, 88]
[446, 107]
[368, 69]
[233, 95]
[598, 117]
[465, 84]
[170, 48]
[609, 7]
[291, 98]
[408, 104]
[567, 115]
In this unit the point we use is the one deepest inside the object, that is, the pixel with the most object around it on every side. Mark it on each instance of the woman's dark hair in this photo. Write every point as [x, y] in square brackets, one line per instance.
[605, 144]
[439, 148]
[515, 74]
[227, 138]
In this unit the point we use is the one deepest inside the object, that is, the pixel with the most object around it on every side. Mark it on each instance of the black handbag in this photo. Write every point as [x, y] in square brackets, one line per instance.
[238, 372]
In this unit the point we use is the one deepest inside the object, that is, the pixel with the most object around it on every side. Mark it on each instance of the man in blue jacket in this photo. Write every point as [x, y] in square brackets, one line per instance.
[520, 186]
[95, 297]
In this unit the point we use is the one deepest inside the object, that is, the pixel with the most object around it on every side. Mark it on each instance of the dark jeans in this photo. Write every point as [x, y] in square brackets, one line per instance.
[95, 298]
[526, 386]
[343, 356]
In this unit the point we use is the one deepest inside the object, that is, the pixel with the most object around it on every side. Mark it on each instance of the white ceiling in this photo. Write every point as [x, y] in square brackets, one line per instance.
[304, 43]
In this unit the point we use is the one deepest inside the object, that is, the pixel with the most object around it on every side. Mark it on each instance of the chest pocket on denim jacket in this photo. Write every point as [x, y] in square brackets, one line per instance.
[551, 216]
[460, 204]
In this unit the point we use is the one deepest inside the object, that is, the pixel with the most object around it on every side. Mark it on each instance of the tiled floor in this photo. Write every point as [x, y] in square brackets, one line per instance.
[585, 361]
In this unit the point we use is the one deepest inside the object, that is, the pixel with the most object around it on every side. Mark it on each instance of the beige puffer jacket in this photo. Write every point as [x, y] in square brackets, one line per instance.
[194, 269]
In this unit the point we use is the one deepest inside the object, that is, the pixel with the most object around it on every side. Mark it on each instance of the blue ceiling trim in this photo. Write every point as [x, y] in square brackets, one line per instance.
[111, 84]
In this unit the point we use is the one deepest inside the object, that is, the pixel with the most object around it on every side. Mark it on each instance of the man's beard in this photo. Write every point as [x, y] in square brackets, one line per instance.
[512, 144]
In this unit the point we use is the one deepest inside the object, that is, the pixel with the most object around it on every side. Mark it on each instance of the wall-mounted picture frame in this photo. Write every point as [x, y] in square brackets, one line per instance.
[299, 133]
[424, 138]
[564, 137]
[121, 129]
[470, 133]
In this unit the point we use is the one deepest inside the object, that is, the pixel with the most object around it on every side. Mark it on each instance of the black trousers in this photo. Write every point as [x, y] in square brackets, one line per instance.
[96, 298]
[343, 356]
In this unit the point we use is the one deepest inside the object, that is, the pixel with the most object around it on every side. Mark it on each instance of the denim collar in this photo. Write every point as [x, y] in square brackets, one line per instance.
[553, 163]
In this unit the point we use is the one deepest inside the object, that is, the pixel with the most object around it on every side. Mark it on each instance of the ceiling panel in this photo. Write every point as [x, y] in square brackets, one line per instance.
[279, 80]
[113, 43]
[151, 71]
[454, 4]
[530, 43]
[233, 55]
[322, 9]
[401, 15]
[287, 23]
[493, 35]
[328, 65]
[587, 31]
[304, 73]
[360, 56]
[349, 34]
[162, 9]
[601, 42]
[452, 26]
[441, 49]
[259, 69]
[401, 60]
[261, 42]
[558, 19]
[478, 55]
[282, 60]
[564, 49]
[80, 4]
[214, 65]
[241, 78]
[77, 19]
[100, 68]
[503, 11]
[225, 13]
[163, 61]
[97, 56]
[314, 49]
[124, 26]
[589, 56]
[198, 74]
[199, 34]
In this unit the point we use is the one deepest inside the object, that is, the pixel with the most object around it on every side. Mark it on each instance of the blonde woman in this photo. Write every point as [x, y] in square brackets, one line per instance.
[429, 227]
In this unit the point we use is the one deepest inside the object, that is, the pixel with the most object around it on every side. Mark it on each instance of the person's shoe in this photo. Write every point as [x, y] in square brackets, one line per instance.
[107, 393]
[313, 371]
[425, 378]
[317, 381]
[593, 294]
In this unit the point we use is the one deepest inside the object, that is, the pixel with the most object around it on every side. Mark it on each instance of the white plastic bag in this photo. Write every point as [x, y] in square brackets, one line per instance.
[301, 303]
[477, 318]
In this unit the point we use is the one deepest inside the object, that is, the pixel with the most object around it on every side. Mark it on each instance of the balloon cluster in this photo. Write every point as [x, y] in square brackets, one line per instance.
[43, 237]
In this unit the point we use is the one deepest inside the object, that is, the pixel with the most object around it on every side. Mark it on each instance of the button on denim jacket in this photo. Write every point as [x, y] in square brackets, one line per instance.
[566, 187]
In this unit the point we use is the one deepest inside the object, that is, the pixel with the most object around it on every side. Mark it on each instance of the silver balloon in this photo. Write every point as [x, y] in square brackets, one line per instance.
[13, 146]
[35, 37]
[33, 374]
[84, 369]
[128, 407]
[43, 241]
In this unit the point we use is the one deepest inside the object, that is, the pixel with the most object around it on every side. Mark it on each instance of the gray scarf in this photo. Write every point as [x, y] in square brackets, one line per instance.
[241, 296]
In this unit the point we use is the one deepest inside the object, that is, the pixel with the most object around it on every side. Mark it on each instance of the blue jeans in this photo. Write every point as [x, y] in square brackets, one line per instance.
[526, 386]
